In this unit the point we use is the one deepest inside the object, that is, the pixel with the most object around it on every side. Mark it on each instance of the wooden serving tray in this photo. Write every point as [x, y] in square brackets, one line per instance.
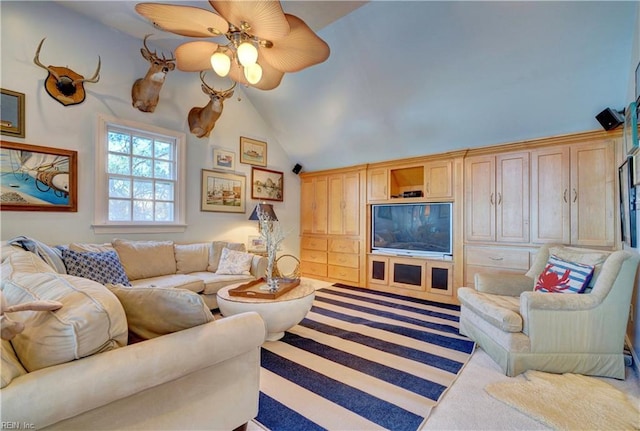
[252, 289]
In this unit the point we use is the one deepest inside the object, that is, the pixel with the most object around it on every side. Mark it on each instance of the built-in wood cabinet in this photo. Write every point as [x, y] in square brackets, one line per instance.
[494, 260]
[497, 198]
[344, 204]
[377, 179]
[438, 179]
[314, 205]
[423, 180]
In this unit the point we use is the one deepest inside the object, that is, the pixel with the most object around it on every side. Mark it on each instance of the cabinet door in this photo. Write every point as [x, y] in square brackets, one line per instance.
[377, 184]
[307, 190]
[438, 180]
[335, 205]
[480, 185]
[512, 197]
[351, 207]
[320, 205]
[592, 194]
[313, 205]
[550, 207]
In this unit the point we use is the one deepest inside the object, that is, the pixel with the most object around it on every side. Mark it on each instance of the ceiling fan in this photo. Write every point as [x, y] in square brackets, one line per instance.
[262, 42]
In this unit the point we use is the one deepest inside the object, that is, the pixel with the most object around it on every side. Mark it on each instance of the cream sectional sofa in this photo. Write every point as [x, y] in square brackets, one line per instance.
[72, 369]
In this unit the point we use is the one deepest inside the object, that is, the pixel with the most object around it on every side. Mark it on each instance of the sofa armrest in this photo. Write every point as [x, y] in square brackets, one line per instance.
[503, 284]
[52, 394]
[259, 266]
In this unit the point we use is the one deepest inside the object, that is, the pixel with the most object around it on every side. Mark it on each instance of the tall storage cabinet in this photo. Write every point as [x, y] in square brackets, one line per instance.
[313, 205]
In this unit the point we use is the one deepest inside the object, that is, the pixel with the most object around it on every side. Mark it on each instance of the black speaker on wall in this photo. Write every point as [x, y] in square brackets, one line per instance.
[610, 119]
[297, 168]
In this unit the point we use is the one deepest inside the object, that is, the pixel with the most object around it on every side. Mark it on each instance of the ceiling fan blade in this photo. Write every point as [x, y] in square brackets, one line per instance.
[271, 77]
[265, 17]
[195, 56]
[183, 20]
[300, 49]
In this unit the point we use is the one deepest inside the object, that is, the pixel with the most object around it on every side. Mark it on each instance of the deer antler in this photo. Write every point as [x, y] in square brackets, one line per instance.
[36, 60]
[94, 78]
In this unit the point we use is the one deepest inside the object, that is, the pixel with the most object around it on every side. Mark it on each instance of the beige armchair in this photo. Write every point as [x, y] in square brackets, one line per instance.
[555, 332]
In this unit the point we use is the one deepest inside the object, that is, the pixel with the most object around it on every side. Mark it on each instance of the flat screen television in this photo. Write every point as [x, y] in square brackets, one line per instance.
[412, 229]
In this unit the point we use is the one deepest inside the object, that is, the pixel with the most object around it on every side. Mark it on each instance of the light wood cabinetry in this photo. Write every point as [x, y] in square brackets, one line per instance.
[573, 194]
[313, 205]
[497, 198]
[495, 260]
[344, 204]
[438, 179]
[430, 180]
[377, 180]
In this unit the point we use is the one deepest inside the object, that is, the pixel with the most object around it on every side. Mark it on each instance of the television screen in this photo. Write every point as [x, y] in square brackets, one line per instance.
[412, 229]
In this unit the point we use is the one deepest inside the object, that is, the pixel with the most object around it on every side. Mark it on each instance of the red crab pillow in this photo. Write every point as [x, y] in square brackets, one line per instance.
[560, 276]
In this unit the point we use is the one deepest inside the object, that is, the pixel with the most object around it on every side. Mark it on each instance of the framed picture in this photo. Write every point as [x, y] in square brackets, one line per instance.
[223, 159]
[630, 131]
[253, 152]
[35, 178]
[256, 243]
[222, 192]
[267, 185]
[12, 113]
[638, 84]
[627, 203]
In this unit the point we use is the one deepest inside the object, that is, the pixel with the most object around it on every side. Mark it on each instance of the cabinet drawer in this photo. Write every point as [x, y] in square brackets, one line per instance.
[503, 258]
[342, 273]
[314, 243]
[344, 245]
[472, 270]
[344, 259]
[313, 256]
[310, 268]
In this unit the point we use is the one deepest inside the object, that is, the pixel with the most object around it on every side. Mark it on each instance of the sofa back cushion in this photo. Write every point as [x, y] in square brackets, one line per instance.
[192, 257]
[82, 247]
[11, 366]
[146, 259]
[103, 267]
[90, 321]
[216, 251]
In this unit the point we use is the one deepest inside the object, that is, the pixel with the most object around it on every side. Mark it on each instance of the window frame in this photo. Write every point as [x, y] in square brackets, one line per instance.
[101, 224]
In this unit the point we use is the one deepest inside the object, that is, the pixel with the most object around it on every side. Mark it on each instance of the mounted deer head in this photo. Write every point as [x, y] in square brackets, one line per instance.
[145, 92]
[63, 84]
[202, 120]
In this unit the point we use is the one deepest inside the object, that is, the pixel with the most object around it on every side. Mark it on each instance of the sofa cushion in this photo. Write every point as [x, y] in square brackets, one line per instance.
[145, 259]
[82, 247]
[214, 282]
[178, 281]
[11, 366]
[24, 262]
[90, 321]
[501, 311]
[561, 276]
[216, 251]
[191, 257]
[155, 311]
[234, 262]
[103, 267]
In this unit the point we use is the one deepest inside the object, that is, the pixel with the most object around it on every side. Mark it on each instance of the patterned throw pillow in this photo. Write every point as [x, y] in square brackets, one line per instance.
[103, 267]
[560, 276]
[234, 262]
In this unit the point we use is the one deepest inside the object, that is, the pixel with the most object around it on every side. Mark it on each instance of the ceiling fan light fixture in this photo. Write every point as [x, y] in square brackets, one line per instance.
[253, 73]
[221, 63]
[247, 54]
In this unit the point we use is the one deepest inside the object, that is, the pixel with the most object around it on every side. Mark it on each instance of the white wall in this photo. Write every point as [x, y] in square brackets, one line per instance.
[76, 42]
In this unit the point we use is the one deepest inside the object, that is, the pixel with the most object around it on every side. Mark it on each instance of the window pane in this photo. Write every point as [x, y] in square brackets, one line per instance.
[164, 191]
[118, 164]
[119, 210]
[164, 170]
[142, 146]
[142, 167]
[119, 142]
[119, 188]
[164, 150]
[142, 211]
[164, 211]
[142, 189]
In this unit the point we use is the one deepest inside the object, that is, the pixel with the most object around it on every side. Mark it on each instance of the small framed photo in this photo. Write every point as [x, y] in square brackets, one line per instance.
[223, 159]
[222, 192]
[630, 130]
[11, 113]
[267, 185]
[253, 152]
[256, 244]
[36, 178]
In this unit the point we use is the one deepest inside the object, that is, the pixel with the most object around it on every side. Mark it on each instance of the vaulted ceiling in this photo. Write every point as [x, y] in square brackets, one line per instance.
[408, 78]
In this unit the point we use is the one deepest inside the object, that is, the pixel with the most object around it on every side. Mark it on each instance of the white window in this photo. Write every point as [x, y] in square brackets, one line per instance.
[139, 178]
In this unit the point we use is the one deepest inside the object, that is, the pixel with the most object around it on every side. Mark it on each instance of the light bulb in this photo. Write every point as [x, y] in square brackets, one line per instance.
[221, 63]
[247, 54]
[253, 73]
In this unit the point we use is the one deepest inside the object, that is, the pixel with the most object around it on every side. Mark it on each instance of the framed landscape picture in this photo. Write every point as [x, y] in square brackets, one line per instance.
[253, 152]
[223, 159]
[222, 192]
[267, 185]
[630, 129]
[35, 178]
[12, 113]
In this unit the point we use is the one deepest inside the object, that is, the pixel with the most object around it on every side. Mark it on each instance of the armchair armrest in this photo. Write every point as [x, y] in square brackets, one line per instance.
[503, 284]
[556, 301]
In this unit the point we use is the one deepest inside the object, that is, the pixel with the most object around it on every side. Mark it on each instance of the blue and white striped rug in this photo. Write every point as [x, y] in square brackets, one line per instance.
[361, 360]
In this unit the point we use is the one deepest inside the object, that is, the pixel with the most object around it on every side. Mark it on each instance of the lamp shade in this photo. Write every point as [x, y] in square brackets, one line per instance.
[221, 63]
[267, 209]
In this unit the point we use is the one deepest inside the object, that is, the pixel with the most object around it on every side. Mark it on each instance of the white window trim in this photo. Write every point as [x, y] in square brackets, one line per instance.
[101, 225]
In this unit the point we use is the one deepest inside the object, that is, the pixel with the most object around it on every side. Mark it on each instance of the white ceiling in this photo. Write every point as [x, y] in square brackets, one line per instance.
[408, 78]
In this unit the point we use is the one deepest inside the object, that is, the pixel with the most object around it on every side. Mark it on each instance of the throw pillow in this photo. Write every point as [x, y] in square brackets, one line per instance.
[234, 262]
[146, 259]
[21, 262]
[155, 311]
[215, 251]
[561, 276]
[103, 267]
[191, 257]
